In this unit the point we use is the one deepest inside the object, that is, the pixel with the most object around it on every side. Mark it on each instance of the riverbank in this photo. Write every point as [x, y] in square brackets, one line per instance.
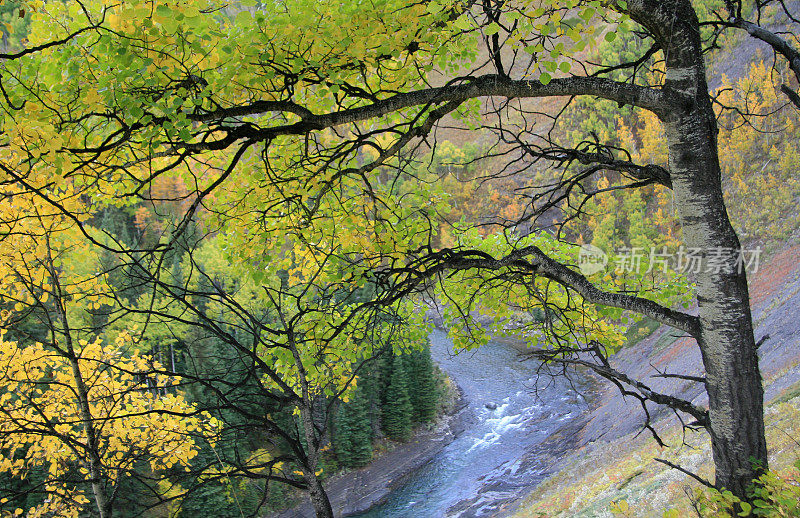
[359, 490]
[523, 424]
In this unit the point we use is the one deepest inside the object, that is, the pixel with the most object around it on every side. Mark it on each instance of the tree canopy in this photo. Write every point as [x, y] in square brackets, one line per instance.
[279, 160]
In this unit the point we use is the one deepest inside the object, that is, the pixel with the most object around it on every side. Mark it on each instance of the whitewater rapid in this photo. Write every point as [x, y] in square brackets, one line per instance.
[495, 459]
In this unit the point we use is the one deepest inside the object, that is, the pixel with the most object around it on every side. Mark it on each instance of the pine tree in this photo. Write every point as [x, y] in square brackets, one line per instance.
[343, 437]
[397, 409]
[423, 393]
[361, 428]
[353, 437]
[372, 383]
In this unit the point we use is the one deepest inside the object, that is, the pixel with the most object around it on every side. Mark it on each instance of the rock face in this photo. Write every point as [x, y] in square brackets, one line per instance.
[359, 490]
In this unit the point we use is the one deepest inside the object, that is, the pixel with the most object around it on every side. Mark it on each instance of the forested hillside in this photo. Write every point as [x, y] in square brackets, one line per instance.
[391, 391]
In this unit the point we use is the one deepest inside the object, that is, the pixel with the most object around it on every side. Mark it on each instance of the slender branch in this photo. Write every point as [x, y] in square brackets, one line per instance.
[779, 45]
[686, 377]
[685, 472]
[791, 94]
[648, 172]
[611, 374]
[45, 46]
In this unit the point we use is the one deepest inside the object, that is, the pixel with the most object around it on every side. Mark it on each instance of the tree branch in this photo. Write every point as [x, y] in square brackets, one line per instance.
[532, 260]
[649, 172]
[606, 371]
[780, 46]
[490, 85]
[685, 472]
[45, 46]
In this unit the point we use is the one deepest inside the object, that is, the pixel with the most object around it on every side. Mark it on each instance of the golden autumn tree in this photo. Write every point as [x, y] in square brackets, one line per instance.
[77, 427]
[83, 412]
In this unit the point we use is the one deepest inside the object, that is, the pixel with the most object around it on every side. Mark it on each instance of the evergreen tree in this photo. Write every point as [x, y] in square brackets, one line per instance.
[423, 393]
[397, 409]
[371, 382]
[343, 436]
[353, 438]
[362, 430]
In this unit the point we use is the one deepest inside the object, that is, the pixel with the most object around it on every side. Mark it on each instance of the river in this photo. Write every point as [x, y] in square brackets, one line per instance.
[496, 458]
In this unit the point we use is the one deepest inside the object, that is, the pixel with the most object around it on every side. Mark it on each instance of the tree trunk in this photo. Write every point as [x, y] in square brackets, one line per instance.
[727, 344]
[94, 461]
[726, 336]
[319, 498]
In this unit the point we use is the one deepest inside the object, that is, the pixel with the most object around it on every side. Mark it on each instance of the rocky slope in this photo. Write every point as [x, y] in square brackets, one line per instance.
[612, 448]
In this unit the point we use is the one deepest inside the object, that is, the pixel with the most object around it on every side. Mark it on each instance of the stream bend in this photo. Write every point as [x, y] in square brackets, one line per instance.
[506, 447]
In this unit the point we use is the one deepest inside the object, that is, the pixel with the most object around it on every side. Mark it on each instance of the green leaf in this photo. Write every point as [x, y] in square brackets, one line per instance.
[492, 28]
[545, 78]
[463, 23]
[533, 49]
[610, 36]
[243, 18]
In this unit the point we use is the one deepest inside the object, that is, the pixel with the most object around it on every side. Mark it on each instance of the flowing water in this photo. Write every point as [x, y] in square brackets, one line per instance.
[495, 458]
